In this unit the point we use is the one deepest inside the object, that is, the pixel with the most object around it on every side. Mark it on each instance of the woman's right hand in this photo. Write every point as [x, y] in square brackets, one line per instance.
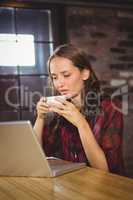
[42, 108]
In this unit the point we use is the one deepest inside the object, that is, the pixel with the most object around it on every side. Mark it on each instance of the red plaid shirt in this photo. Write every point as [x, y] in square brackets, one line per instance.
[65, 143]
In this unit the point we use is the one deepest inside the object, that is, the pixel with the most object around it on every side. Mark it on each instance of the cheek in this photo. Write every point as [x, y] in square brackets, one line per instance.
[76, 82]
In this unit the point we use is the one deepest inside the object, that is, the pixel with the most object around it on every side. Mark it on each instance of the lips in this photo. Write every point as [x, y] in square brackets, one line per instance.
[64, 92]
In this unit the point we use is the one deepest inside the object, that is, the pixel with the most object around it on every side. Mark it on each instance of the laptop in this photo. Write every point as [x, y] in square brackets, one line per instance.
[22, 155]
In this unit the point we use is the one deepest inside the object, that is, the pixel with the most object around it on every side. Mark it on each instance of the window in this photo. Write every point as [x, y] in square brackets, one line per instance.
[17, 50]
[26, 41]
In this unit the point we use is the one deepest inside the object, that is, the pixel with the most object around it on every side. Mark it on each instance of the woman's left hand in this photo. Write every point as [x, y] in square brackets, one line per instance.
[68, 110]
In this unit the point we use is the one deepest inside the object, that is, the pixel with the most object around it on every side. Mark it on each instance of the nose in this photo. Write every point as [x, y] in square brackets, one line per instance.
[60, 82]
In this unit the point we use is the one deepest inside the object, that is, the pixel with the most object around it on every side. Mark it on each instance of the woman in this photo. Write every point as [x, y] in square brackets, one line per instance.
[85, 128]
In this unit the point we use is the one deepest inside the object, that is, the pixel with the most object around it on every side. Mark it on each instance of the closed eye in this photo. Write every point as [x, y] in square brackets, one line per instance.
[66, 75]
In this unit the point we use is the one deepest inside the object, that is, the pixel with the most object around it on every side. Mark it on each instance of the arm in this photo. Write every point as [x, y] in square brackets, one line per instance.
[38, 127]
[94, 152]
[42, 109]
[92, 149]
[111, 140]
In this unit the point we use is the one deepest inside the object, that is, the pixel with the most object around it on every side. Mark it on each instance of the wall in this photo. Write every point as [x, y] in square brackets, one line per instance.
[107, 37]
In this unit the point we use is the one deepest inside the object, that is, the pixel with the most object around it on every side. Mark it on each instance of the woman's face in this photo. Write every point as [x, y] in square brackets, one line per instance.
[67, 79]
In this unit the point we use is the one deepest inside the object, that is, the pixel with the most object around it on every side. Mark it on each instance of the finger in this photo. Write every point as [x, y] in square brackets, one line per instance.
[64, 101]
[42, 103]
[60, 100]
[43, 99]
[59, 105]
[42, 108]
[57, 110]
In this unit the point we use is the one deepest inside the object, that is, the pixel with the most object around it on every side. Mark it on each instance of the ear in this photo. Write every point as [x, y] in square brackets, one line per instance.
[85, 74]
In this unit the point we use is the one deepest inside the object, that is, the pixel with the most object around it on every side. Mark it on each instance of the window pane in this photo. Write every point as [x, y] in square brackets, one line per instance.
[32, 89]
[8, 70]
[25, 50]
[42, 52]
[8, 92]
[35, 22]
[7, 20]
[17, 50]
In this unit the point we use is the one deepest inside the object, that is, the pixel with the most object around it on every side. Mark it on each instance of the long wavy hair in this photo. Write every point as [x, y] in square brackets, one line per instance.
[91, 89]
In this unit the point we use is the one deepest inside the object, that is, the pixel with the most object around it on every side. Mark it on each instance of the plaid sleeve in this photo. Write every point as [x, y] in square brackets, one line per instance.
[109, 133]
[48, 139]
